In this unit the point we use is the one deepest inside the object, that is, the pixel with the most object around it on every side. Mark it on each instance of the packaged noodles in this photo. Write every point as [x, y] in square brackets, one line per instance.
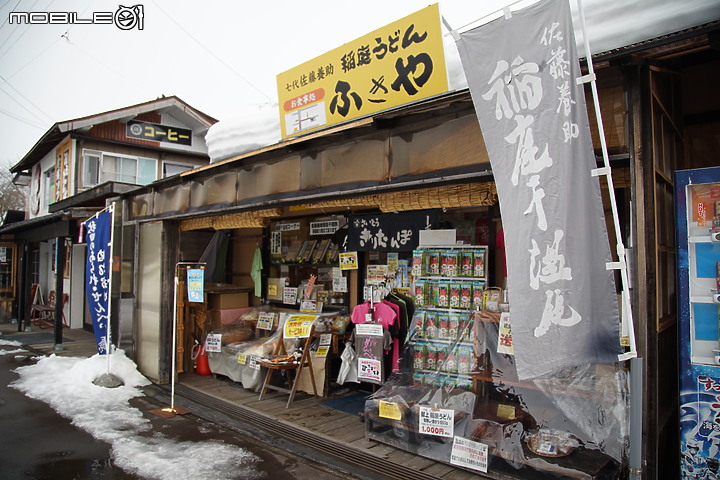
[443, 321]
[466, 263]
[479, 263]
[430, 325]
[449, 263]
[417, 264]
[466, 295]
[443, 300]
[454, 295]
[419, 293]
[432, 263]
[419, 356]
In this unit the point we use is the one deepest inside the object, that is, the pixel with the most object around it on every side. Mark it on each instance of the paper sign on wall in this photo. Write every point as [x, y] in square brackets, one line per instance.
[213, 342]
[348, 261]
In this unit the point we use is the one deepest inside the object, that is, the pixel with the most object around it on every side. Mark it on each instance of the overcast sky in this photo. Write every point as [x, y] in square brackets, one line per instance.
[219, 56]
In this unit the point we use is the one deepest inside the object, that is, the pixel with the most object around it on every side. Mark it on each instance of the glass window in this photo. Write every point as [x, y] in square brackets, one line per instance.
[146, 171]
[170, 169]
[91, 168]
[50, 186]
[138, 171]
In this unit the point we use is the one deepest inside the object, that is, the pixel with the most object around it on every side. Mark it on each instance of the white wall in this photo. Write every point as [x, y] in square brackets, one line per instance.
[148, 299]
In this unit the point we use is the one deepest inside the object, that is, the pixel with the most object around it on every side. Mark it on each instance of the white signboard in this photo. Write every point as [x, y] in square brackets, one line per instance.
[213, 342]
[436, 421]
[469, 454]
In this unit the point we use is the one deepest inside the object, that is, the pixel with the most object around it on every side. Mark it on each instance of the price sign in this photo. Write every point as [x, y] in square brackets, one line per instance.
[436, 421]
[290, 295]
[265, 320]
[390, 410]
[322, 351]
[298, 326]
[242, 358]
[254, 363]
[213, 343]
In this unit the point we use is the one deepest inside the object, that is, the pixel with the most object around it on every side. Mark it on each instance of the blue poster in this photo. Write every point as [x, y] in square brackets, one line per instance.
[195, 282]
[97, 275]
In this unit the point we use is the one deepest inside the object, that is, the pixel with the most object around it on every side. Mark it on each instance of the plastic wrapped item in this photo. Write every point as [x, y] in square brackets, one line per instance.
[460, 399]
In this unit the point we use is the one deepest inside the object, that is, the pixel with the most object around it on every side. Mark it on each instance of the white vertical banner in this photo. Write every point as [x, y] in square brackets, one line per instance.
[522, 71]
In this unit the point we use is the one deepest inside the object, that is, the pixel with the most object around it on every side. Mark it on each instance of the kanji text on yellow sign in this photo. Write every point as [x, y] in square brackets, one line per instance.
[397, 64]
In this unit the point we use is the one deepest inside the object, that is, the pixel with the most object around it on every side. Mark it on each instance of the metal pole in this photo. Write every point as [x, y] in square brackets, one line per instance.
[108, 347]
[174, 341]
[174, 332]
[620, 248]
[59, 277]
[636, 410]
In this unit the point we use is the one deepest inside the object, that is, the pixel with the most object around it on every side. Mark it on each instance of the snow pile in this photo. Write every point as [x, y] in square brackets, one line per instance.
[10, 343]
[65, 383]
[254, 129]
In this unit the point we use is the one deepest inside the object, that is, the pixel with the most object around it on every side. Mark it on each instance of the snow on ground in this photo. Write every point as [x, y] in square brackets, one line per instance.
[11, 343]
[65, 383]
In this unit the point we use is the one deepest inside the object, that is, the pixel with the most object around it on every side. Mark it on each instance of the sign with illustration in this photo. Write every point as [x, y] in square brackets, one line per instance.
[397, 64]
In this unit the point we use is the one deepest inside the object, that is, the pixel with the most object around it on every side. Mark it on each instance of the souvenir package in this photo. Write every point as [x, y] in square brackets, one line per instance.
[431, 357]
[419, 294]
[418, 323]
[419, 356]
[466, 295]
[433, 297]
[417, 264]
[443, 321]
[479, 263]
[432, 263]
[451, 360]
[430, 325]
[466, 263]
[448, 263]
[443, 300]
[441, 356]
[454, 295]
[453, 326]
[464, 359]
[478, 301]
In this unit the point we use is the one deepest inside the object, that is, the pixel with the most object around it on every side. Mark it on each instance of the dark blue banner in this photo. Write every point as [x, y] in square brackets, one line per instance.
[97, 275]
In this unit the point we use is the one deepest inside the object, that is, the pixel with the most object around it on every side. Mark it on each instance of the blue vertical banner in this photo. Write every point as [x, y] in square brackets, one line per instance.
[195, 282]
[97, 275]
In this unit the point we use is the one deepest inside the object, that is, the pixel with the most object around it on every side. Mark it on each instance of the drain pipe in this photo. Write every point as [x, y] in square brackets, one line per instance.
[636, 418]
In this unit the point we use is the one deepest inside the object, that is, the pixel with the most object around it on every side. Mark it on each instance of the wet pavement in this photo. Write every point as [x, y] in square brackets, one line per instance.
[38, 443]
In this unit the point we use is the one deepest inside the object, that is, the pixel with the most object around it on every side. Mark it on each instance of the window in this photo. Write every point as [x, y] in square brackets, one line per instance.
[91, 168]
[101, 167]
[172, 168]
[50, 186]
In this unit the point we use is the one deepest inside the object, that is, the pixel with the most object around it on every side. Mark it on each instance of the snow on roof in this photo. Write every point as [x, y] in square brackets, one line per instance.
[611, 25]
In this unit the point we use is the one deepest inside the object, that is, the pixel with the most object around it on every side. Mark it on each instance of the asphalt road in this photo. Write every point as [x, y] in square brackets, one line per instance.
[37, 443]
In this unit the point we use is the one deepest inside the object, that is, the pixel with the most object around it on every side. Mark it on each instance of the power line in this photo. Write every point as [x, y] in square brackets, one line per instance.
[215, 56]
[26, 99]
[6, 19]
[20, 119]
[27, 28]
[12, 97]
